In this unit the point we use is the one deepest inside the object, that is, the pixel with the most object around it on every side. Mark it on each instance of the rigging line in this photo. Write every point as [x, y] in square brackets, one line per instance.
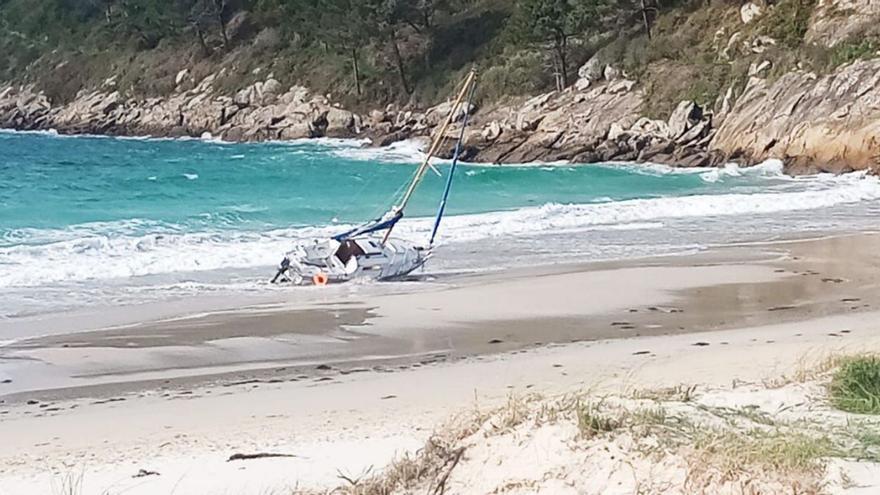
[436, 143]
[460, 87]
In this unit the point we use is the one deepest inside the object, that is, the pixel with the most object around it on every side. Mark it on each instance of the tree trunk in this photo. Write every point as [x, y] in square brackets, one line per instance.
[219, 7]
[357, 70]
[201, 35]
[645, 19]
[399, 59]
[561, 44]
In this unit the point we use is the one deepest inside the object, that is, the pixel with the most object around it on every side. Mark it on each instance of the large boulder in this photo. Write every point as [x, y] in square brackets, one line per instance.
[749, 11]
[437, 114]
[592, 69]
[686, 115]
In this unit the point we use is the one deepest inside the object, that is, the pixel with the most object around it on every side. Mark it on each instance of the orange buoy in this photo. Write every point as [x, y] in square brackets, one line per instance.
[320, 278]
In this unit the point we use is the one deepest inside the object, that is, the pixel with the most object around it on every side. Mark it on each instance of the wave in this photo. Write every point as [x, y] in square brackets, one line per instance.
[406, 151]
[768, 168]
[96, 251]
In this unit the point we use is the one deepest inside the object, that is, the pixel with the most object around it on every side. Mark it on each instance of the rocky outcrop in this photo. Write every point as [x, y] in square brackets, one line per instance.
[829, 123]
[262, 111]
[598, 125]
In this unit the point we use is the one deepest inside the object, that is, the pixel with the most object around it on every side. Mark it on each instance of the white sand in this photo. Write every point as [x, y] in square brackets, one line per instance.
[348, 426]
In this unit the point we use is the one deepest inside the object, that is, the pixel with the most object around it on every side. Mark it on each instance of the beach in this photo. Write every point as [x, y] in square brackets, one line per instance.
[345, 381]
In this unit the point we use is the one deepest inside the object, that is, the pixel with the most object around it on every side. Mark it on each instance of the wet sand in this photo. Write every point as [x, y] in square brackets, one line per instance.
[450, 319]
[378, 370]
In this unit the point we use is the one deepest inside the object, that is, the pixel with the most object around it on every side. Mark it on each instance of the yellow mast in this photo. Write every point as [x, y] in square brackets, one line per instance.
[420, 172]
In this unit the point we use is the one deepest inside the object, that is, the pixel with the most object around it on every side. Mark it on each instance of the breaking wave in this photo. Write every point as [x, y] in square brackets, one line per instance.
[110, 250]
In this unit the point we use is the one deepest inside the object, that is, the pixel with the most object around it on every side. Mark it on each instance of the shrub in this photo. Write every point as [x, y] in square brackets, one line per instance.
[856, 386]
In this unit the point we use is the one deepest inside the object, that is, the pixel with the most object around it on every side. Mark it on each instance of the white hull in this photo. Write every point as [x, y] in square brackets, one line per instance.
[321, 261]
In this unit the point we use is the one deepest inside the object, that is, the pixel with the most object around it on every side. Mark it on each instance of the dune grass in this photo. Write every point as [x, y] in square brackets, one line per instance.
[855, 386]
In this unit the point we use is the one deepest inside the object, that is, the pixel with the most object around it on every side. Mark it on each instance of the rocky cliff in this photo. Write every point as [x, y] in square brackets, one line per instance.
[813, 120]
[259, 112]
[829, 123]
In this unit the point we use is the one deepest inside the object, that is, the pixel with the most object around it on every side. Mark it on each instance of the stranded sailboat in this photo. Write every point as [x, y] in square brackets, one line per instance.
[369, 251]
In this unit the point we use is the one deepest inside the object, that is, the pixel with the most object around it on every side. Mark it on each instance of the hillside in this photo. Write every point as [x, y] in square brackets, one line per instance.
[225, 66]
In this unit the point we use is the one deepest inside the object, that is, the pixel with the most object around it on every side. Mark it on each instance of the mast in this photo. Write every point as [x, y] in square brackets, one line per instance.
[435, 144]
[455, 156]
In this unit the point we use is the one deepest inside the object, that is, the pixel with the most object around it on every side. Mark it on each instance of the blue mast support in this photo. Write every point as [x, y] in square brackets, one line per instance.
[455, 156]
[377, 225]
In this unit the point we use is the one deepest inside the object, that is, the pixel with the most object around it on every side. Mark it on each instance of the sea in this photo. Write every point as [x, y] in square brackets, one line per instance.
[97, 221]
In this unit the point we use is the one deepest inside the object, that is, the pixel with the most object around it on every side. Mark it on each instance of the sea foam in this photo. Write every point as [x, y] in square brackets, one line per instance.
[108, 250]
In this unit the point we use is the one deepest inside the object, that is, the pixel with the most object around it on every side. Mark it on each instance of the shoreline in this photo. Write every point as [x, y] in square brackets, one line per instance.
[378, 329]
[733, 314]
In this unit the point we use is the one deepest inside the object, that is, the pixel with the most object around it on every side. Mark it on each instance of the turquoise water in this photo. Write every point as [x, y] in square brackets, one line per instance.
[49, 182]
[92, 220]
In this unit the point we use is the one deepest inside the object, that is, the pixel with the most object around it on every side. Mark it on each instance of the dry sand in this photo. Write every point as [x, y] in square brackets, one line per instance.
[180, 396]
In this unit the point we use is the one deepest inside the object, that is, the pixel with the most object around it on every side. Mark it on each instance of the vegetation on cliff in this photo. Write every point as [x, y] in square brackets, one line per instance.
[366, 53]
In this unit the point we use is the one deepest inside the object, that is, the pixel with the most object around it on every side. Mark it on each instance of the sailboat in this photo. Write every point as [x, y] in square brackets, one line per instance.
[369, 251]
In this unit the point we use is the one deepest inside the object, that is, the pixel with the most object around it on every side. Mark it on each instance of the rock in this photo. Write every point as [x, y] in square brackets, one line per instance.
[615, 132]
[492, 131]
[793, 117]
[621, 86]
[245, 97]
[692, 158]
[727, 102]
[655, 149]
[269, 91]
[181, 76]
[592, 70]
[695, 133]
[611, 73]
[377, 117]
[729, 50]
[757, 69]
[836, 21]
[582, 84]
[761, 44]
[437, 114]
[749, 11]
[528, 121]
[300, 130]
[295, 95]
[649, 127]
[335, 122]
[685, 116]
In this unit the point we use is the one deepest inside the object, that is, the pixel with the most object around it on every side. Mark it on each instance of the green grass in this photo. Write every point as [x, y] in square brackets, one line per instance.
[855, 387]
[787, 22]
